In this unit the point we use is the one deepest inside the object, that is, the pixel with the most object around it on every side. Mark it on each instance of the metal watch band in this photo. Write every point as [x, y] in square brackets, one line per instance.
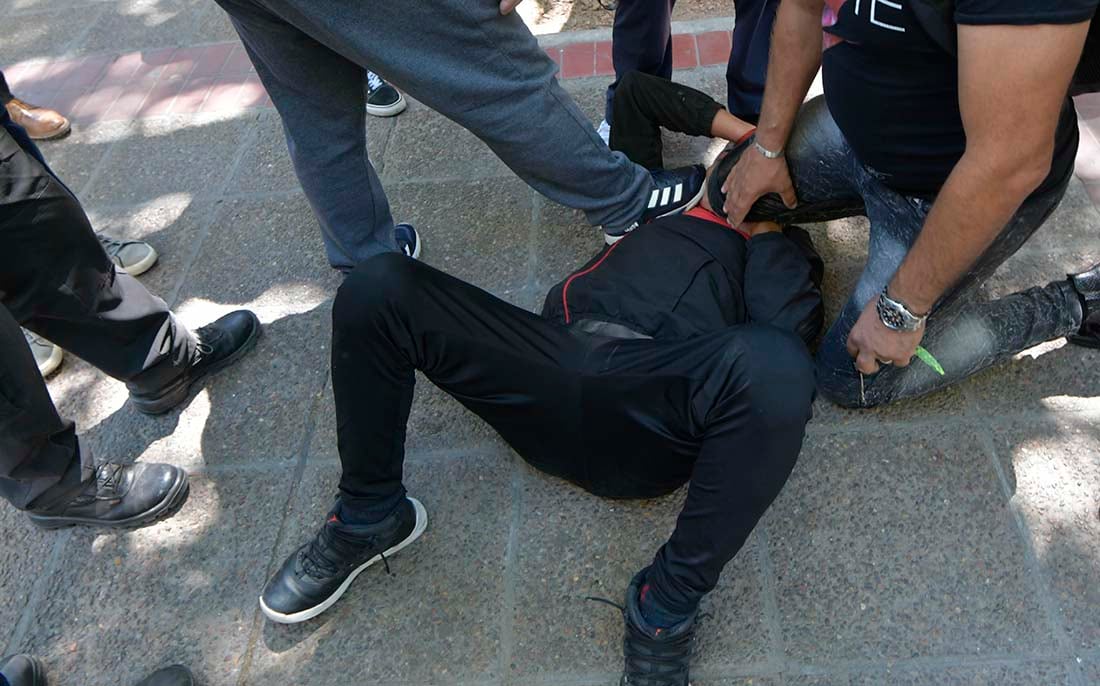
[767, 153]
[895, 316]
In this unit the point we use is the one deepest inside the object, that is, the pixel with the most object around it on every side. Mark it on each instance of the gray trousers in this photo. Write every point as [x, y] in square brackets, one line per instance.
[56, 280]
[460, 57]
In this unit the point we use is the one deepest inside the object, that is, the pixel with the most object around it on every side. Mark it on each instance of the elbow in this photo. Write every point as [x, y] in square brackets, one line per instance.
[1019, 174]
[1027, 177]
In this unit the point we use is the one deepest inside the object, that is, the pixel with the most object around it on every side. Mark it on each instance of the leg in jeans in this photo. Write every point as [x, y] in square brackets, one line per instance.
[38, 450]
[644, 104]
[965, 334]
[482, 70]
[748, 64]
[56, 280]
[641, 40]
[319, 95]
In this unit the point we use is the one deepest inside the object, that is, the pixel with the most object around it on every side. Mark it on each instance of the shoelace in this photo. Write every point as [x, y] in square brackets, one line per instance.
[112, 246]
[108, 478]
[374, 81]
[650, 661]
[34, 339]
[204, 339]
[326, 552]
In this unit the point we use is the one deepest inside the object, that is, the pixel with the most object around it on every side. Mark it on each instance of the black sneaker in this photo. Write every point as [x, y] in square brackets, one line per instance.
[220, 344]
[383, 100]
[654, 656]
[408, 240]
[119, 497]
[23, 670]
[675, 191]
[313, 578]
[1086, 286]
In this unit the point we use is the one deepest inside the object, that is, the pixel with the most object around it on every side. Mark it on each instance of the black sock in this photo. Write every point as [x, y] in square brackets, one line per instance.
[359, 515]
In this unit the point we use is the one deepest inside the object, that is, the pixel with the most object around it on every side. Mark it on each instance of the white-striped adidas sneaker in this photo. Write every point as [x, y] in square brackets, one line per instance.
[674, 191]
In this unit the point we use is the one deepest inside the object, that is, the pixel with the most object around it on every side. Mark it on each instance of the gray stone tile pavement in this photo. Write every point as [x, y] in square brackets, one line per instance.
[950, 540]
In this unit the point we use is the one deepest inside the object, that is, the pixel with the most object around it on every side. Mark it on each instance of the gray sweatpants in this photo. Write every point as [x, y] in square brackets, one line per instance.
[459, 57]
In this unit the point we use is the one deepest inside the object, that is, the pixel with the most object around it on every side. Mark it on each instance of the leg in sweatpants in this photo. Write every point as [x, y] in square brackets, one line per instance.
[747, 69]
[641, 40]
[746, 396]
[645, 104]
[56, 280]
[482, 70]
[38, 450]
[394, 315]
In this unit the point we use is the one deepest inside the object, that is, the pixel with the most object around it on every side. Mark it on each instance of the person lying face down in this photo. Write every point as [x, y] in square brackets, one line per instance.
[676, 355]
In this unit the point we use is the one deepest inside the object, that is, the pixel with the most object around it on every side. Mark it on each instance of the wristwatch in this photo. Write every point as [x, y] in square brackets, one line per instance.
[895, 316]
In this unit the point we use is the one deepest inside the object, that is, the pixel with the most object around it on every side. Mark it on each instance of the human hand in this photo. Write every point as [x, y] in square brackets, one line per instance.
[752, 177]
[871, 343]
[506, 6]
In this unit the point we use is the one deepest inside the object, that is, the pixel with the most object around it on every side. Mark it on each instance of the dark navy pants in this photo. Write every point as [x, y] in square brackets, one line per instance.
[642, 41]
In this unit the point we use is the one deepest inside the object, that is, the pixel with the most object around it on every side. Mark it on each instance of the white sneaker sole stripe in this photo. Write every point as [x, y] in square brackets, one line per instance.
[678, 193]
[295, 618]
[665, 194]
[653, 198]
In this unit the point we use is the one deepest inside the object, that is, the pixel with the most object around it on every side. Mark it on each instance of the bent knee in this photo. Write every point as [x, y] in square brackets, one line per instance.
[372, 287]
[779, 372]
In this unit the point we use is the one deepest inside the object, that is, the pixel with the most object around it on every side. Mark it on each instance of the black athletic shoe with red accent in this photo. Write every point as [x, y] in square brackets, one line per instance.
[654, 656]
[317, 574]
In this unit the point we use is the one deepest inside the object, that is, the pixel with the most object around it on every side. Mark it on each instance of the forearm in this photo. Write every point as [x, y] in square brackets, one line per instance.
[967, 216]
[794, 60]
[729, 127]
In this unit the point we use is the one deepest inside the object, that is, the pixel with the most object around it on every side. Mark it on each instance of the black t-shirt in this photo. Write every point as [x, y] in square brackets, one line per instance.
[894, 92]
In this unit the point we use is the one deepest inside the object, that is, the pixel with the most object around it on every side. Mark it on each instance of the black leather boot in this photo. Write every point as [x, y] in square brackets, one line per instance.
[1087, 287]
[220, 344]
[118, 496]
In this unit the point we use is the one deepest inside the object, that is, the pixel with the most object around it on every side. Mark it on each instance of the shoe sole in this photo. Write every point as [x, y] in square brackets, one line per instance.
[304, 615]
[172, 397]
[416, 246]
[162, 510]
[612, 240]
[144, 265]
[388, 110]
[52, 363]
[64, 131]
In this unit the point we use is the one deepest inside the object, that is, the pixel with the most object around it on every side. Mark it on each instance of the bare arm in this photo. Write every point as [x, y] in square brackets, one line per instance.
[1009, 145]
[794, 60]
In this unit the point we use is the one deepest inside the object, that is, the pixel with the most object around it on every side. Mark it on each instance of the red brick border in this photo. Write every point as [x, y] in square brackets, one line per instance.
[219, 78]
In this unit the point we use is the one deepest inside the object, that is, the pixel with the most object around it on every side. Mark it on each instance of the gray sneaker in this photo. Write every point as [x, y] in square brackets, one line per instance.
[132, 257]
[46, 355]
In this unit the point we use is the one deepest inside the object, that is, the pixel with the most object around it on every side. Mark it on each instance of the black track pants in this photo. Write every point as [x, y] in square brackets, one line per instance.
[621, 418]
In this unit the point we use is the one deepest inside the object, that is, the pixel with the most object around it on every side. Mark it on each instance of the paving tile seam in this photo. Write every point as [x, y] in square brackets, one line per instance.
[922, 664]
[256, 631]
[534, 257]
[1040, 579]
[38, 591]
[777, 647]
[511, 578]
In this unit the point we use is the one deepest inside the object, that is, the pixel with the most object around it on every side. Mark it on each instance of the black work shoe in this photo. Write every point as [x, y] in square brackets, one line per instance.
[675, 191]
[313, 578]
[176, 675]
[23, 670]
[383, 100]
[119, 496]
[654, 656]
[219, 345]
[1087, 288]
[408, 240]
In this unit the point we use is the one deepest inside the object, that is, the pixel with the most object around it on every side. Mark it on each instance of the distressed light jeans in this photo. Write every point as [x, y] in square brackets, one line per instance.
[964, 332]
